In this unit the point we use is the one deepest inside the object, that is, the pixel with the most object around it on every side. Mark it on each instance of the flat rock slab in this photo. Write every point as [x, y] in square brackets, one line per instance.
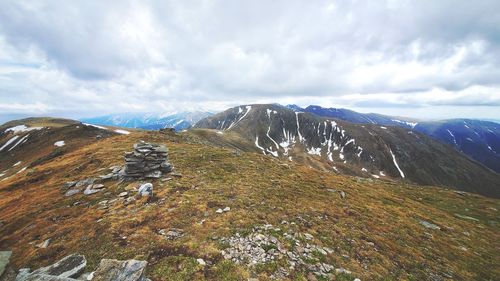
[70, 266]
[4, 260]
[44, 277]
[115, 270]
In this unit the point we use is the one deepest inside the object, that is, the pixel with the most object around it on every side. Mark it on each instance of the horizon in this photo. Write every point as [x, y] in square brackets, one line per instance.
[171, 113]
[425, 60]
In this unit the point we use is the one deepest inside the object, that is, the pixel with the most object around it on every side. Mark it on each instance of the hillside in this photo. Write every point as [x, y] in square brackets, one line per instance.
[480, 140]
[346, 227]
[357, 149]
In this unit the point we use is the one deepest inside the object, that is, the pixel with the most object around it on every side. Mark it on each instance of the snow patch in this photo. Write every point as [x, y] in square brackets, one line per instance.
[454, 139]
[22, 170]
[9, 142]
[95, 126]
[22, 128]
[59, 143]
[314, 151]
[258, 146]
[22, 140]
[220, 132]
[382, 127]
[298, 126]
[123, 132]
[17, 164]
[248, 108]
[410, 124]
[396, 164]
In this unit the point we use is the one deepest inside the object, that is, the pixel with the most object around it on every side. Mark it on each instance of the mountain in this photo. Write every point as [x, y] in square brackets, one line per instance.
[29, 142]
[356, 117]
[179, 121]
[479, 140]
[358, 149]
[231, 215]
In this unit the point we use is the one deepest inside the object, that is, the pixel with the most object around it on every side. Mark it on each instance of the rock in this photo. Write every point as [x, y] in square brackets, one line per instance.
[44, 277]
[201, 262]
[146, 189]
[172, 233]
[90, 189]
[72, 192]
[146, 161]
[308, 236]
[123, 194]
[4, 260]
[44, 244]
[23, 274]
[342, 194]
[69, 184]
[85, 182]
[115, 270]
[466, 217]
[342, 270]
[430, 225]
[107, 176]
[69, 266]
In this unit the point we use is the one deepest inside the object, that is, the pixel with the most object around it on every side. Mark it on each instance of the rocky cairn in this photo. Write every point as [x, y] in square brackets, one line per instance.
[146, 161]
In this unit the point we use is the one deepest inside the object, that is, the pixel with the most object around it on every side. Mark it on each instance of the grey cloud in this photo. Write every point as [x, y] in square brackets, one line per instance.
[158, 55]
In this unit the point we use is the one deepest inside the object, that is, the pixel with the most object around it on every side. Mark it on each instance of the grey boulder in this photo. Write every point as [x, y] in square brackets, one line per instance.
[70, 266]
[115, 270]
[45, 277]
[4, 260]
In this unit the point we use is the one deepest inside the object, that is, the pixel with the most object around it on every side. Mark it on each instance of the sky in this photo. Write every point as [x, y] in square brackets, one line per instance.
[425, 59]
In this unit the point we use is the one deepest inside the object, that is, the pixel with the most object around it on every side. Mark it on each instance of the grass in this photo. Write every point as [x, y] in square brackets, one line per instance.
[259, 190]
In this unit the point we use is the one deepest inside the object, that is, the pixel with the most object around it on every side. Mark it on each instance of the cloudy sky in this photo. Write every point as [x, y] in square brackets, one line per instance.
[425, 58]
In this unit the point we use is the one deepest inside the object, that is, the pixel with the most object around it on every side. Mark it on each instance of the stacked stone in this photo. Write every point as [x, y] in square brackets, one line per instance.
[147, 161]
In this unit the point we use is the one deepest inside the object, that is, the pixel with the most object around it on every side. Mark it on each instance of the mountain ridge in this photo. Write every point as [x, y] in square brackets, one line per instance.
[358, 149]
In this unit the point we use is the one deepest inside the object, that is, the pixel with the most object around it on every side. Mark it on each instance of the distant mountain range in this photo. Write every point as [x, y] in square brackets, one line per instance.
[480, 140]
[369, 150]
[179, 121]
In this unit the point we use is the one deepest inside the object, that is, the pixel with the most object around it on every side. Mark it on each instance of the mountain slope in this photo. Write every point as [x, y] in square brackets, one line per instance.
[179, 121]
[480, 140]
[367, 150]
[356, 117]
[379, 230]
[29, 142]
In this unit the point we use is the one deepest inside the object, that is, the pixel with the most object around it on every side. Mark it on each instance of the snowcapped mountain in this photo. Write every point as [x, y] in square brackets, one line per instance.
[356, 117]
[479, 140]
[369, 150]
[179, 121]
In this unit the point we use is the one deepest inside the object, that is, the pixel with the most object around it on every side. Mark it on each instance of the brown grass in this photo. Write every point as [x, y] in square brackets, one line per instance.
[259, 189]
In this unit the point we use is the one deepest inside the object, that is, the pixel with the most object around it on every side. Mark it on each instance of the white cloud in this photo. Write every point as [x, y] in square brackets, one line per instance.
[97, 57]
